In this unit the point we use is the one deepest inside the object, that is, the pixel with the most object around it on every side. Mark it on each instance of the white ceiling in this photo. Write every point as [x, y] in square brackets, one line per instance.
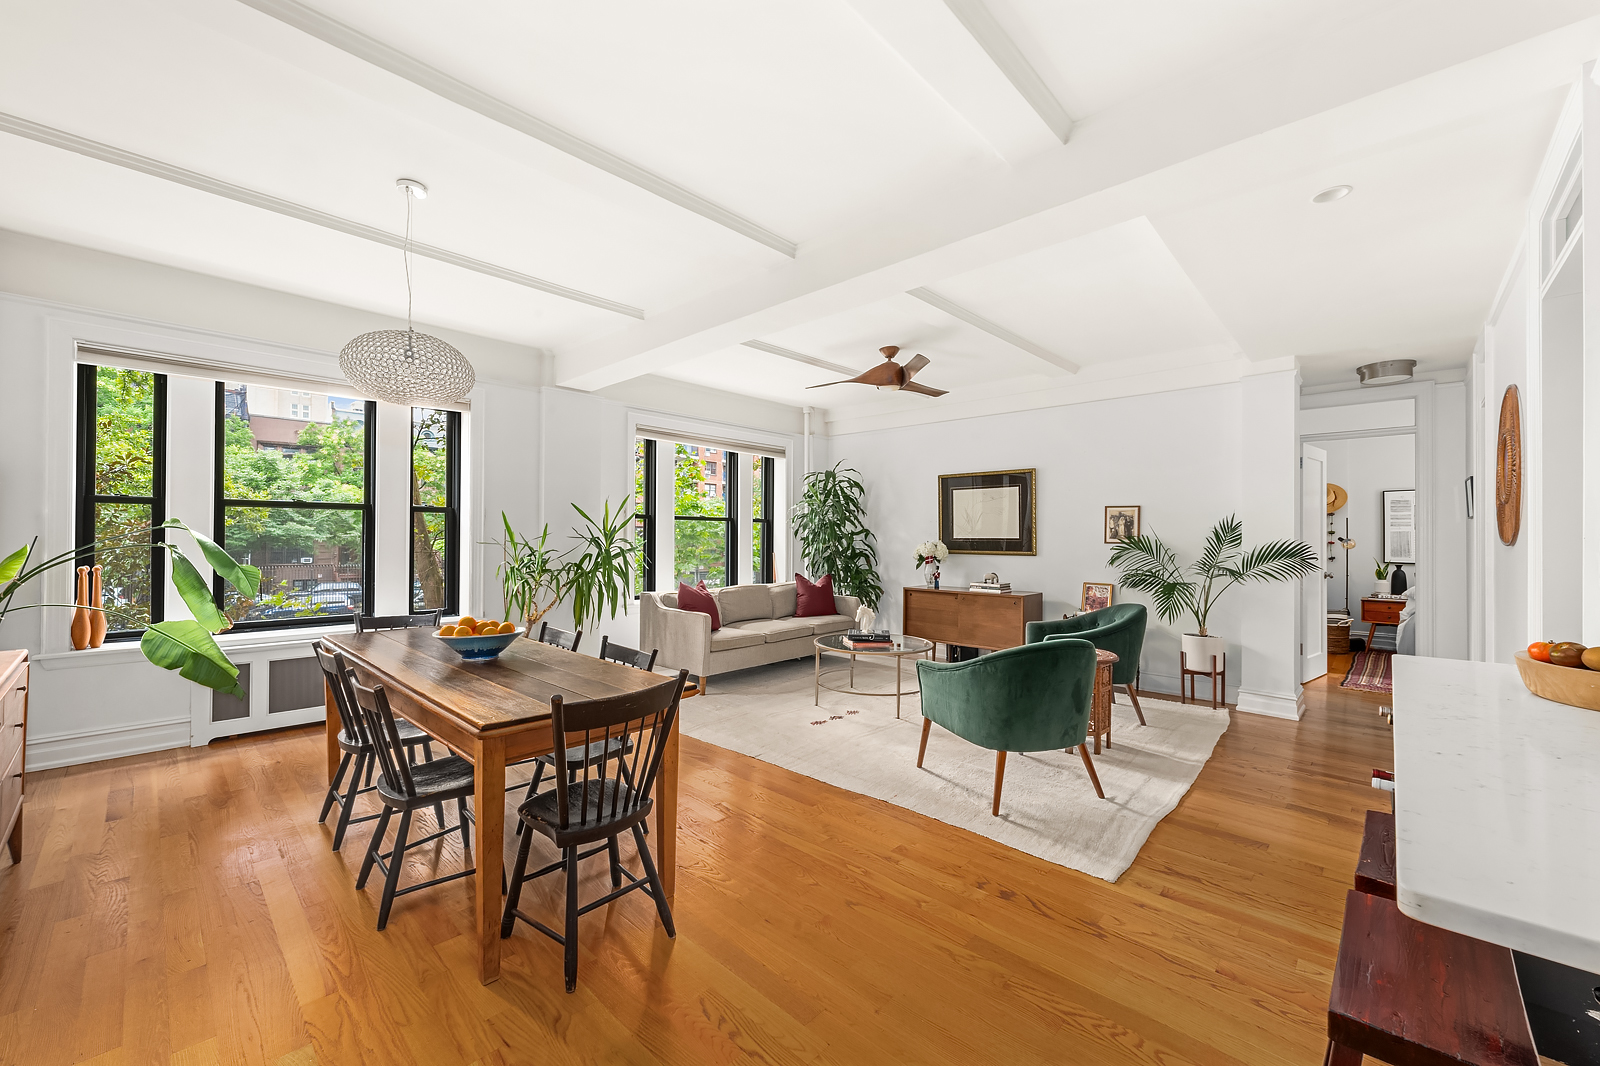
[790, 172]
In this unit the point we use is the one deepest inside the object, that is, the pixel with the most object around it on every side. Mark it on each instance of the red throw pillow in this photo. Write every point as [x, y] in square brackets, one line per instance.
[699, 599]
[814, 597]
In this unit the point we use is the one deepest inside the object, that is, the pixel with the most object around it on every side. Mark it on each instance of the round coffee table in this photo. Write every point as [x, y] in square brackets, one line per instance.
[900, 648]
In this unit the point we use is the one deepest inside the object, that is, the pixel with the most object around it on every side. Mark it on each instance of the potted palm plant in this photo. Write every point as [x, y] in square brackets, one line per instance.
[1148, 565]
[596, 573]
[830, 523]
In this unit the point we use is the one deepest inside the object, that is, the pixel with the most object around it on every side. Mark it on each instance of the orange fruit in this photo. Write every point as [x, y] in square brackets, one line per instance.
[447, 631]
[487, 628]
[506, 627]
[466, 621]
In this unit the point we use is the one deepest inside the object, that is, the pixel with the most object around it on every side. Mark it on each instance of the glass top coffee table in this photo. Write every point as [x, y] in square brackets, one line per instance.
[900, 648]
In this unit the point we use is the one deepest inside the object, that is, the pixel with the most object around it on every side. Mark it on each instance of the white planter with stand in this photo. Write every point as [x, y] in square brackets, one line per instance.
[1201, 651]
[1382, 587]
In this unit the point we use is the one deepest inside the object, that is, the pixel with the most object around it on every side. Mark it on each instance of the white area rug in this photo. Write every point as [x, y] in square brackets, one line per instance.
[1047, 808]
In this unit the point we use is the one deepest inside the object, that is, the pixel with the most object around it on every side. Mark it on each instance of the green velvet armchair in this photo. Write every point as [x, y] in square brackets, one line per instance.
[1118, 629]
[1035, 697]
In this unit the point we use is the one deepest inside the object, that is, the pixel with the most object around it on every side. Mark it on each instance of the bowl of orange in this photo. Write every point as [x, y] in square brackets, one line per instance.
[477, 640]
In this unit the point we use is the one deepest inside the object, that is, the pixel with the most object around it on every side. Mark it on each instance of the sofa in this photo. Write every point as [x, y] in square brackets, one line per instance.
[758, 627]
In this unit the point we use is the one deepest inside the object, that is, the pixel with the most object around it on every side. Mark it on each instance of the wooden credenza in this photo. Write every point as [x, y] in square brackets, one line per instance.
[13, 744]
[987, 620]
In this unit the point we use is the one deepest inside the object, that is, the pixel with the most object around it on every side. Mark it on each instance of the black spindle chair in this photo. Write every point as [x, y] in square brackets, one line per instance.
[404, 787]
[600, 804]
[619, 653]
[356, 744]
[559, 638]
[369, 623]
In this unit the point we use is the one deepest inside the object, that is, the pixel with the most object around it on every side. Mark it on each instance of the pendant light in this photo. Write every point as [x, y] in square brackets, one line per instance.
[401, 365]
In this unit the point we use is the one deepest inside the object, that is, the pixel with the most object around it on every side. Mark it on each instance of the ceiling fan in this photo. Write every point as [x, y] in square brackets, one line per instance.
[891, 375]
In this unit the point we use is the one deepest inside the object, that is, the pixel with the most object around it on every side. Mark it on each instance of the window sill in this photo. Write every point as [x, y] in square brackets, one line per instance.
[122, 651]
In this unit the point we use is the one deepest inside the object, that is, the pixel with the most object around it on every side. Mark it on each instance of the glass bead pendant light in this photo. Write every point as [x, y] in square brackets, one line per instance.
[401, 365]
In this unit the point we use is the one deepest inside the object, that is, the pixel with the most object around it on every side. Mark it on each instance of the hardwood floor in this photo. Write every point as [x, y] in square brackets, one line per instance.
[183, 908]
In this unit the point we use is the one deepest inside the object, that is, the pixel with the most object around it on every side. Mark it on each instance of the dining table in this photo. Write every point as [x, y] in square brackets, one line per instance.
[493, 713]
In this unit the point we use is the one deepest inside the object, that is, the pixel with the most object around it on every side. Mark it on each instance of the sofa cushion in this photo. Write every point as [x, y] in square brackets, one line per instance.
[784, 599]
[730, 637]
[668, 599]
[815, 598]
[830, 623]
[701, 601]
[739, 603]
[775, 629]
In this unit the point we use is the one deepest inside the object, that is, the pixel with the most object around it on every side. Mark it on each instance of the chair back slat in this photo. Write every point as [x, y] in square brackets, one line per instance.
[337, 675]
[560, 638]
[373, 704]
[648, 716]
[620, 653]
[369, 623]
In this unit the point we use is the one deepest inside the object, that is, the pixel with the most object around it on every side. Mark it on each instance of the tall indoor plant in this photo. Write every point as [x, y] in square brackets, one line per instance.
[596, 574]
[830, 523]
[1148, 565]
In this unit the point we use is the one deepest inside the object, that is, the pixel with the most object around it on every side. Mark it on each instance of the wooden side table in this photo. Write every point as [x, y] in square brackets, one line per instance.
[1100, 703]
[1381, 612]
[1219, 668]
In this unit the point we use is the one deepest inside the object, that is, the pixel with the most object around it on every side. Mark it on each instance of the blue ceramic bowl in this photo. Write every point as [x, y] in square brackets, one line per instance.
[482, 649]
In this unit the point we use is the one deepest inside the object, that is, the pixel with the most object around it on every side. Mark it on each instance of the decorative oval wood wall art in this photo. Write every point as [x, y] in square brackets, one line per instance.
[1508, 469]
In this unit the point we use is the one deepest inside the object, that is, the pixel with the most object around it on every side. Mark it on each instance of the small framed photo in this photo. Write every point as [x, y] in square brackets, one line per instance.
[1121, 523]
[1096, 595]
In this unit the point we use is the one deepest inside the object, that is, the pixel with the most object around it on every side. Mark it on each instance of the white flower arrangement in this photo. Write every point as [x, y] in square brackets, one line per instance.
[931, 551]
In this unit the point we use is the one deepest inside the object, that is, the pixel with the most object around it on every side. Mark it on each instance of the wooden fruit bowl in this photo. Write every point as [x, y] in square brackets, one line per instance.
[1574, 686]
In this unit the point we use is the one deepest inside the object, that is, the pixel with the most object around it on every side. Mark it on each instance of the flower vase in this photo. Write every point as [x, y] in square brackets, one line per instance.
[97, 618]
[930, 576]
[80, 617]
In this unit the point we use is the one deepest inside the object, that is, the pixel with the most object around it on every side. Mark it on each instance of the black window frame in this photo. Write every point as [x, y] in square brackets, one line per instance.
[451, 511]
[88, 415]
[220, 529]
[646, 513]
[761, 521]
[730, 524]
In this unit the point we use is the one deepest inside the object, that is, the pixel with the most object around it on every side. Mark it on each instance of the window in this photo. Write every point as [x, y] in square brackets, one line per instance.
[122, 443]
[644, 512]
[702, 526]
[310, 508]
[300, 410]
[435, 499]
[761, 473]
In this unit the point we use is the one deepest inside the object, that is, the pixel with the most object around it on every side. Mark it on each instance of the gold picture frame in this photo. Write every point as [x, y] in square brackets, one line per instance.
[1097, 595]
[989, 512]
[1122, 521]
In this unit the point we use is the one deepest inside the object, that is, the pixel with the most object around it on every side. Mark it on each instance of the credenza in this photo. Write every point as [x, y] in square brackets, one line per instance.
[13, 745]
[987, 620]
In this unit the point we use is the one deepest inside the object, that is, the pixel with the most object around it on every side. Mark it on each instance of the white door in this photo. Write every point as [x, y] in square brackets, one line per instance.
[1313, 591]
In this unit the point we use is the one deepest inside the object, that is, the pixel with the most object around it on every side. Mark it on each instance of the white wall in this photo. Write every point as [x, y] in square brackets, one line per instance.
[1365, 467]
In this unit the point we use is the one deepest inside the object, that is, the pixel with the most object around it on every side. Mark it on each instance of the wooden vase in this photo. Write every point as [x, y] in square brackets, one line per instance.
[80, 617]
[97, 618]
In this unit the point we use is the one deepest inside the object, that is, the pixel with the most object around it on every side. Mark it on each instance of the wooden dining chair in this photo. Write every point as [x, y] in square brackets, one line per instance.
[560, 638]
[619, 653]
[405, 787]
[355, 743]
[611, 796]
[369, 623]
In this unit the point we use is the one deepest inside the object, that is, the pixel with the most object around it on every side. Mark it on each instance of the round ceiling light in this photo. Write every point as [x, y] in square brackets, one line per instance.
[1338, 192]
[1387, 372]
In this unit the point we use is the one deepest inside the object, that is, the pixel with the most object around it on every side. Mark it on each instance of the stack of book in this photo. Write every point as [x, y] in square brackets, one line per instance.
[989, 586]
[864, 640]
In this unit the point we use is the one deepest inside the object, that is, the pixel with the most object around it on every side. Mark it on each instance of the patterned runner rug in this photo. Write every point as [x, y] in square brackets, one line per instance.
[1370, 671]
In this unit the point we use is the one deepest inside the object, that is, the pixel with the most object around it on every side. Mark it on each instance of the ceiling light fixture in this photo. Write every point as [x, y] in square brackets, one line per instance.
[1387, 372]
[1338, 192]
[404, 366]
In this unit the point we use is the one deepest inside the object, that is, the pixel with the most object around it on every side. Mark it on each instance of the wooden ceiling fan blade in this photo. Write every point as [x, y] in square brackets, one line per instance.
[914, 364]
[912, 386]
[883, 374]
[825, 384]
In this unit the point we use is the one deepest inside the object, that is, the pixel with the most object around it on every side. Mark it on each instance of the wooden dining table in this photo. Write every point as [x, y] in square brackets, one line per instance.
[494, 713]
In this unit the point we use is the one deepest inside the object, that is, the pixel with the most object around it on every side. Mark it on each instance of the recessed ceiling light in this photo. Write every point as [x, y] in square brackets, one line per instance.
[1327, 196]
[413, 186]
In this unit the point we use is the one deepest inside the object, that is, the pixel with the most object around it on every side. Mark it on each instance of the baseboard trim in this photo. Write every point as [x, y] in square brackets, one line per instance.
[1272, 705]
[95, 745]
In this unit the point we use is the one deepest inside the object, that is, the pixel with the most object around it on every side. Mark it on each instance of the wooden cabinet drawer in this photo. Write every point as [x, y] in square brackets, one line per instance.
[13, 713]
[10, 792]
[1384, 612]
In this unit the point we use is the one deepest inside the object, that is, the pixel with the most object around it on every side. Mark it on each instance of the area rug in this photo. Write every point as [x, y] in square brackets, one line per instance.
[1370, 671]
[1047, 808]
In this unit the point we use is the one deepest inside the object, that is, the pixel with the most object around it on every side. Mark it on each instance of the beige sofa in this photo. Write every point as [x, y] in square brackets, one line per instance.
[758, 627]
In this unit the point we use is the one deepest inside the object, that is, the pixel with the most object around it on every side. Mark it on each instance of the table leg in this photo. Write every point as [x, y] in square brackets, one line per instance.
[489, 809]
[666, 836]
[331, 726]
[816, 679]
[897, 686]
[852, 671]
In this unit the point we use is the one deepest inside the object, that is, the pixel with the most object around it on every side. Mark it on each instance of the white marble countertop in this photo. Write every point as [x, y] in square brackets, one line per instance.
[1497, 809]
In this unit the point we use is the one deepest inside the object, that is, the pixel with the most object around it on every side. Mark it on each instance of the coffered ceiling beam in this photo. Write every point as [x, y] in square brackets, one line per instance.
[980, 22]
[955, 310]
[370, 50]
[83, 146]
[799, 357]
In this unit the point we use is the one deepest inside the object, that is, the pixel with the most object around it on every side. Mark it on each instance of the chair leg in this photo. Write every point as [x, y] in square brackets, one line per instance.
[349, 805]
[397, 859]
[616, 862]
[508, 921]
[1134, 696]
[461, 815]
[999, 779]
[1088, 764]
[333, 789]
[922, 749]
[570, 962]
[375, 846]
[656, 892]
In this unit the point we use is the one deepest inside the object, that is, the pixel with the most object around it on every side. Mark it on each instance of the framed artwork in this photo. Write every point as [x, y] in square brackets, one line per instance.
[1121, 523]
[1400, 525]
[989, 513]
[1096, 594]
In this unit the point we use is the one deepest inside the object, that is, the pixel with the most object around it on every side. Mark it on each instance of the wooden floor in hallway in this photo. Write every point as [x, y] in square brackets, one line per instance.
[183, 908]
